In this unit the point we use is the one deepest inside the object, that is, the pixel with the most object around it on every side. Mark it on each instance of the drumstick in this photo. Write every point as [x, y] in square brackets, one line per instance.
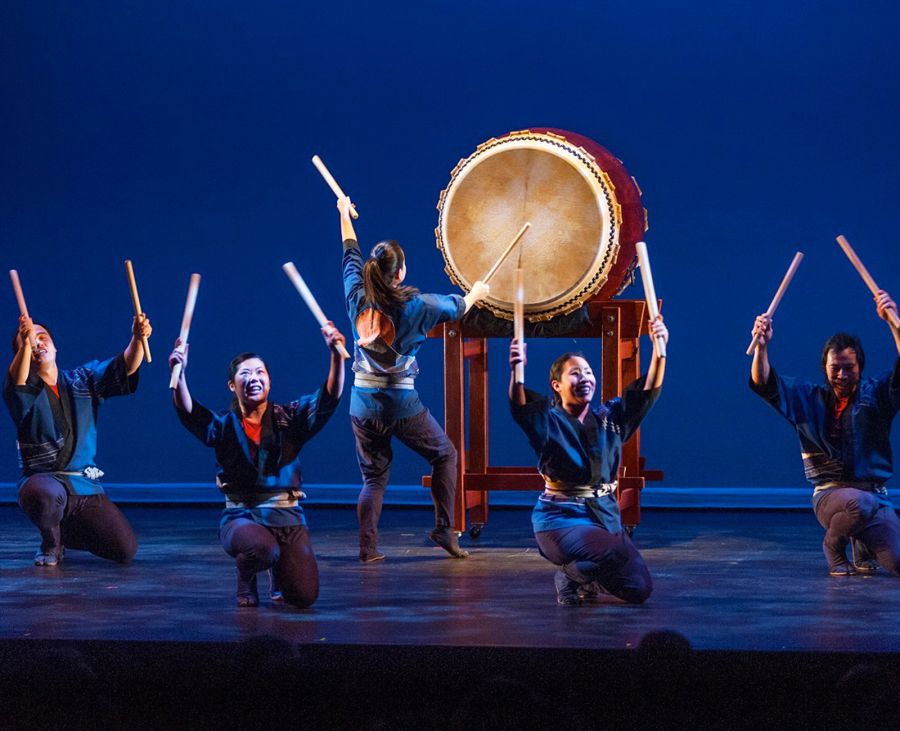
[782, 288]
[519, 315]
[332, 183]
[307, 296]
[193, 288]
[136, 300]
[493, 270]
[864, 273]
[20, 298]
[650, 292]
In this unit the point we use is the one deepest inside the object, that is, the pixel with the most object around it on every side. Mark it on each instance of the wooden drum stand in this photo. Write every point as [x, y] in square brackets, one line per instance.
[619, 324]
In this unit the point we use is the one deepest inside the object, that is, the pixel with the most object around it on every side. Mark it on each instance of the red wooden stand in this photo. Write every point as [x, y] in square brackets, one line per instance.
[619, 324]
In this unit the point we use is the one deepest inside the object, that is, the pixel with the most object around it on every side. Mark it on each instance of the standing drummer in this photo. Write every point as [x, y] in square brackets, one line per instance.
[579, 446]
[844, 430]
[390, 322]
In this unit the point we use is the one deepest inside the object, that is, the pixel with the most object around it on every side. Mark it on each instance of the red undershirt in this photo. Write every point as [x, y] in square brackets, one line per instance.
[253, 433]
[839, 405]
[836, 427]
[54, 388]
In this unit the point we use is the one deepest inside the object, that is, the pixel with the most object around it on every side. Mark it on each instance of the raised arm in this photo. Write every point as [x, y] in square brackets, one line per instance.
[657, 370]
[134, 353]
[180, 394]
[335, 383]
[344, 205]
[760, 368]
[21, 362]
[517, 354]
[885, 305]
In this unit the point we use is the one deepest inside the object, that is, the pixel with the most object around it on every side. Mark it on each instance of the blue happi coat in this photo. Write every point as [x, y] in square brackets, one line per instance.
[58, 436]
[247, 478]
[392, 355]
[865, 452]
[575, 454]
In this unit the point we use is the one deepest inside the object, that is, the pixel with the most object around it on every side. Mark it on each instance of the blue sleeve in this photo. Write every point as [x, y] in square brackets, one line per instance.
[629, 410]
[20, 399]
[309, 414]
[203, 423]
[104, 379]
[352, 266]
[438, 308]
[534, 419]
[791, 398]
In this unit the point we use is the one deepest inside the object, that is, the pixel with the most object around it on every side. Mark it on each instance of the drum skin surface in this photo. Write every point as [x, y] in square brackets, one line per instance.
[585, 212]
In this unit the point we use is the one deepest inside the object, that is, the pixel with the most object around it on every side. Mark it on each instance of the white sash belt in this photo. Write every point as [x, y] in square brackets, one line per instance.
[368, 380]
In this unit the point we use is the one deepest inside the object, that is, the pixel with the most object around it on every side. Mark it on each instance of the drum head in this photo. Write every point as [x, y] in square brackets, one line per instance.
[569, 251]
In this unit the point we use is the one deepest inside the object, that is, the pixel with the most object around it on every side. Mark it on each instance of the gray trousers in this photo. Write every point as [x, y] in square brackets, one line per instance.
[422, 434]
[845, 513]
[83, 522]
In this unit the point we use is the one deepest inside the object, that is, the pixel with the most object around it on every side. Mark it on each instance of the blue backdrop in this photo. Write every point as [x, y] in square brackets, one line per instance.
[179, 135]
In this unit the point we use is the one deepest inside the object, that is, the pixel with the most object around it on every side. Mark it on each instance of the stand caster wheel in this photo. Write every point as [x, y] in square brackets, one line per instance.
[475, 530]
[629, 529]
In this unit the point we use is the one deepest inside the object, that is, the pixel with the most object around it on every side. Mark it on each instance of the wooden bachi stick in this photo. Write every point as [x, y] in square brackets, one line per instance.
[864, 273]
[519, 316]
[332, 183]
[136, 300]
[782, 288]
[307, 296]
[493, 270]
[186, 318]
[649, 291]
[20, 298]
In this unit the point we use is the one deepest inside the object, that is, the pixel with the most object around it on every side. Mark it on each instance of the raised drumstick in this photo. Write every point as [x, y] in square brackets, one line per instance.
[519, 315]
[136, 300]
[649, 291]
[332, 183]
[782, 288]
[493, 270]
[307, 296]
[864, 273]
[20, 298]
[186, 318]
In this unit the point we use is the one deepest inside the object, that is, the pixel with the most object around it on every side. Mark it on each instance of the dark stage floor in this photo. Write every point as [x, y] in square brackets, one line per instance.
[726, 580]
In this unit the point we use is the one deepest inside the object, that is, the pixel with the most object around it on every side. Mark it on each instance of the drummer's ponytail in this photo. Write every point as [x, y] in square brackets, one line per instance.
[379, 273]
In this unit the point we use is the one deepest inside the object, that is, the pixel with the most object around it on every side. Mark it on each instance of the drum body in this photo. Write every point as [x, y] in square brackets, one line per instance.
[585, 212]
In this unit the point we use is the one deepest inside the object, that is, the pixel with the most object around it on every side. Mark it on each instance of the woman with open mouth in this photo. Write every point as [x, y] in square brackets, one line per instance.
[257, 444]
[579, 447]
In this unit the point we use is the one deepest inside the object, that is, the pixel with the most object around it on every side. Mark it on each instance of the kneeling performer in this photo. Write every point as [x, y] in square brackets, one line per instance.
[55, 413]
[844, 429]
[579, 447]
[257, 446]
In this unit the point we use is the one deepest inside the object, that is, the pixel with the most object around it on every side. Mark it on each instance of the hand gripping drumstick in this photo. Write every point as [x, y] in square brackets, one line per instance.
[307, 296]
[132, 285]
[332, 183]
[782, 288]
[493, 270]
[186, 318]
[519, 315]
[864, 273]
[20, 298]
[649, 291]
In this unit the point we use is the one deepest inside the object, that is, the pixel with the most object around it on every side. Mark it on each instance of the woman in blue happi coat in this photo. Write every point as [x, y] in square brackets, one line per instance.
[55, 413]
[390, 322]
[576, 519]
[257, 445]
